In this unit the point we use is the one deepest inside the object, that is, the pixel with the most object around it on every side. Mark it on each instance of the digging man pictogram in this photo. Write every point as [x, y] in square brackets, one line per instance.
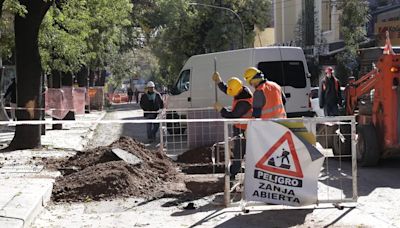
[285, 157]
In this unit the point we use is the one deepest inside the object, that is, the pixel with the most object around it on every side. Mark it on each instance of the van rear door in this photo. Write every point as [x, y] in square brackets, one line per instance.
[291, 75]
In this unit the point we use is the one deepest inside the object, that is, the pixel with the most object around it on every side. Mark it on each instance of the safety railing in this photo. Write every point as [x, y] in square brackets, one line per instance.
[183, 130]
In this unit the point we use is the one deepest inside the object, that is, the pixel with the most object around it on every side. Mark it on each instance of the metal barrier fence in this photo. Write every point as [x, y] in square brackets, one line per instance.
[180, 136]
[183, 130]
[335, 139]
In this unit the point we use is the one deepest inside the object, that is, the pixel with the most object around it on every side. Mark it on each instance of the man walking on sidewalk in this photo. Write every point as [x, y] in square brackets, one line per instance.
[330, 95]
[151, 102]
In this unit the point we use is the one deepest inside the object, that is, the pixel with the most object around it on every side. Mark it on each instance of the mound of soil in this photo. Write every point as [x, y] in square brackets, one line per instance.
[196, 156]
[99, 174]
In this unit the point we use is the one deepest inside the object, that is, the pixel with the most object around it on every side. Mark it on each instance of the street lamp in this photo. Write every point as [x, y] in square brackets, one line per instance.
[223, 8]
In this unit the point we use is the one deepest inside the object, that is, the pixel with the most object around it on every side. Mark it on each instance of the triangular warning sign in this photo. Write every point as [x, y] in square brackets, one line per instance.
[284, 167]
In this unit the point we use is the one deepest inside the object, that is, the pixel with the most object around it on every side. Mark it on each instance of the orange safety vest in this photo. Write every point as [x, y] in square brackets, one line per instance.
[246, 115]
[273, 107]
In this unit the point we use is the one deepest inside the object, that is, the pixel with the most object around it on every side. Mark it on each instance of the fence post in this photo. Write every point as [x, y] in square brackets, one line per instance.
[354, 157]
[227, 196]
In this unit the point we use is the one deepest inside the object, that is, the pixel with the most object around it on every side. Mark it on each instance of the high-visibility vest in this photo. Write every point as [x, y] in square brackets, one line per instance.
[273, 107]
[246, 115]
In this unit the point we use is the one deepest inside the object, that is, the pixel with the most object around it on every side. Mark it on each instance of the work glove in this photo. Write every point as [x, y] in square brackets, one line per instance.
[216, 77]
[218, 106]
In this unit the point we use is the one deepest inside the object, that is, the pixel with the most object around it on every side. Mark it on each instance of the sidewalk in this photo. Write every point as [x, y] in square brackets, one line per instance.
[26, 186]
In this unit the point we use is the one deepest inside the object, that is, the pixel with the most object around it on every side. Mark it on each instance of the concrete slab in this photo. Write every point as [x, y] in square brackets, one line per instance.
[24, 201]
[11, 222]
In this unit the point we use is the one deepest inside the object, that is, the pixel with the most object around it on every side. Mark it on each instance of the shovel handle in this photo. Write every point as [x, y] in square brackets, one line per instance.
[216, 84]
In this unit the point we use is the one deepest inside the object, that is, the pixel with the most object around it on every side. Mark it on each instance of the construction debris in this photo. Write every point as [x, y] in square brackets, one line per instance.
[125, 168]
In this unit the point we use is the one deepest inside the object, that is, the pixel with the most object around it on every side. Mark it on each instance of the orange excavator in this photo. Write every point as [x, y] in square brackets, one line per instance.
[377, 97]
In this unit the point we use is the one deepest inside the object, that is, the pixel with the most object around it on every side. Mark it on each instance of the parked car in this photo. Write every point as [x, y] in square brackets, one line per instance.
[314, 102]
[119, 96]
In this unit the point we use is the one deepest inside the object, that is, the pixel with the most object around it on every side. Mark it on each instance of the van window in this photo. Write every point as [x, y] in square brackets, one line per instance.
[285, 73]
[183, 82]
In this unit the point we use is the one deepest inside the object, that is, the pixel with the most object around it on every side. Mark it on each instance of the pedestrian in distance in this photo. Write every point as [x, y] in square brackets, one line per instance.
[330, 96]
[136, 95]
[151, 102]
[241, 108]
[269, 99]
[130, 94]
[12, 92]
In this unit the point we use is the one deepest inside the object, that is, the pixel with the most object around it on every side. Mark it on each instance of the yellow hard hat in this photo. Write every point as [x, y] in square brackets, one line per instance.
[234, 86]
[250, 73]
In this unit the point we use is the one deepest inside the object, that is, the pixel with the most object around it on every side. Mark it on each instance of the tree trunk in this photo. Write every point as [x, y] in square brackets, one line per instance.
[67, 80]
[55, 82]
[82, 77]
[28, 73]
[83, 81]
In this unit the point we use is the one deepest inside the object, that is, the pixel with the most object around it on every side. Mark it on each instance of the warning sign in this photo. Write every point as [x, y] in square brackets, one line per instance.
[282, 158]
[280, 167]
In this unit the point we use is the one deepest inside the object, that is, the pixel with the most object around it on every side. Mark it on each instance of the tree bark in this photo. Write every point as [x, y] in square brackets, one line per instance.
[67, 80]
[82, 77]
[28, 73]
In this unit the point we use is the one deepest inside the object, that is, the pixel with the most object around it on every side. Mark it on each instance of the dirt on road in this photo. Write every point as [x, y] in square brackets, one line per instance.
[99, 174]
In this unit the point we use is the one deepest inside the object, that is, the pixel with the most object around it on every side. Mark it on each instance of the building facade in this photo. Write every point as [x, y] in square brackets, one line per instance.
[318, 20]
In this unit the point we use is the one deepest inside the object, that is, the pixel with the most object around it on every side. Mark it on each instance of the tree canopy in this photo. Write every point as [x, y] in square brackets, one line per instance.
[113, 34]
[354, 17]
[182, 30]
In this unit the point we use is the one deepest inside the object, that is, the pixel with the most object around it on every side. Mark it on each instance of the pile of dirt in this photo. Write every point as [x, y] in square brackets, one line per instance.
[100, 174]
[199, 155]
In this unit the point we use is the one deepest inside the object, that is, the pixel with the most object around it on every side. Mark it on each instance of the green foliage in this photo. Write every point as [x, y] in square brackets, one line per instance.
[63, 37]
[183, 30]
[7, 9]
[355, 15]
[80, 33]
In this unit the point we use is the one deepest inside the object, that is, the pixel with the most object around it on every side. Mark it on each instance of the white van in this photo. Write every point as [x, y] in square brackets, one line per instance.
[284, 65]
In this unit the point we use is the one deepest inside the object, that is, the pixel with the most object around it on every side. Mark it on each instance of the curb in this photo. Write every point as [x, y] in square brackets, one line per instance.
[92, 129]
[22, 199]
[23, 202]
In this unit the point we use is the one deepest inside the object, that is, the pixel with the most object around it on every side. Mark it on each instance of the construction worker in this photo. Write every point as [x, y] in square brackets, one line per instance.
[269, 99]
[241, 108]
[330, 95]
[151, 102]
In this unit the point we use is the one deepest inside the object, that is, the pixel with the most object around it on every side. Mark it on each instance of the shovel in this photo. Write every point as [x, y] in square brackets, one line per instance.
[216, 84]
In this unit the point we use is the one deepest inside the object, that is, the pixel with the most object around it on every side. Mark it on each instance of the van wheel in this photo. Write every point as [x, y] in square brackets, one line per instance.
[342, 146]
[368, 152]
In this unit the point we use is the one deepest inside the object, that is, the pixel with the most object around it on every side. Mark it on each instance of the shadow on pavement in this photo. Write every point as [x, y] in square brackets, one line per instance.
[338, 174]
[269, 218]
[124, 107]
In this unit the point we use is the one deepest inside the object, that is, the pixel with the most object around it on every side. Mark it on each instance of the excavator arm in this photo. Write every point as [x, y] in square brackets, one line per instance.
[356, 88]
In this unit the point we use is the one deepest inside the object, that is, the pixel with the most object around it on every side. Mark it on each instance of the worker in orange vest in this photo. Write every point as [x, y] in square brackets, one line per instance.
[330, 95]
[241, 108]
[269, 99]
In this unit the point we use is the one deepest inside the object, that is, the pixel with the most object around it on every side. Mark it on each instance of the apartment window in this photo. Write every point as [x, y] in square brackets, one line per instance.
[326, 14]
